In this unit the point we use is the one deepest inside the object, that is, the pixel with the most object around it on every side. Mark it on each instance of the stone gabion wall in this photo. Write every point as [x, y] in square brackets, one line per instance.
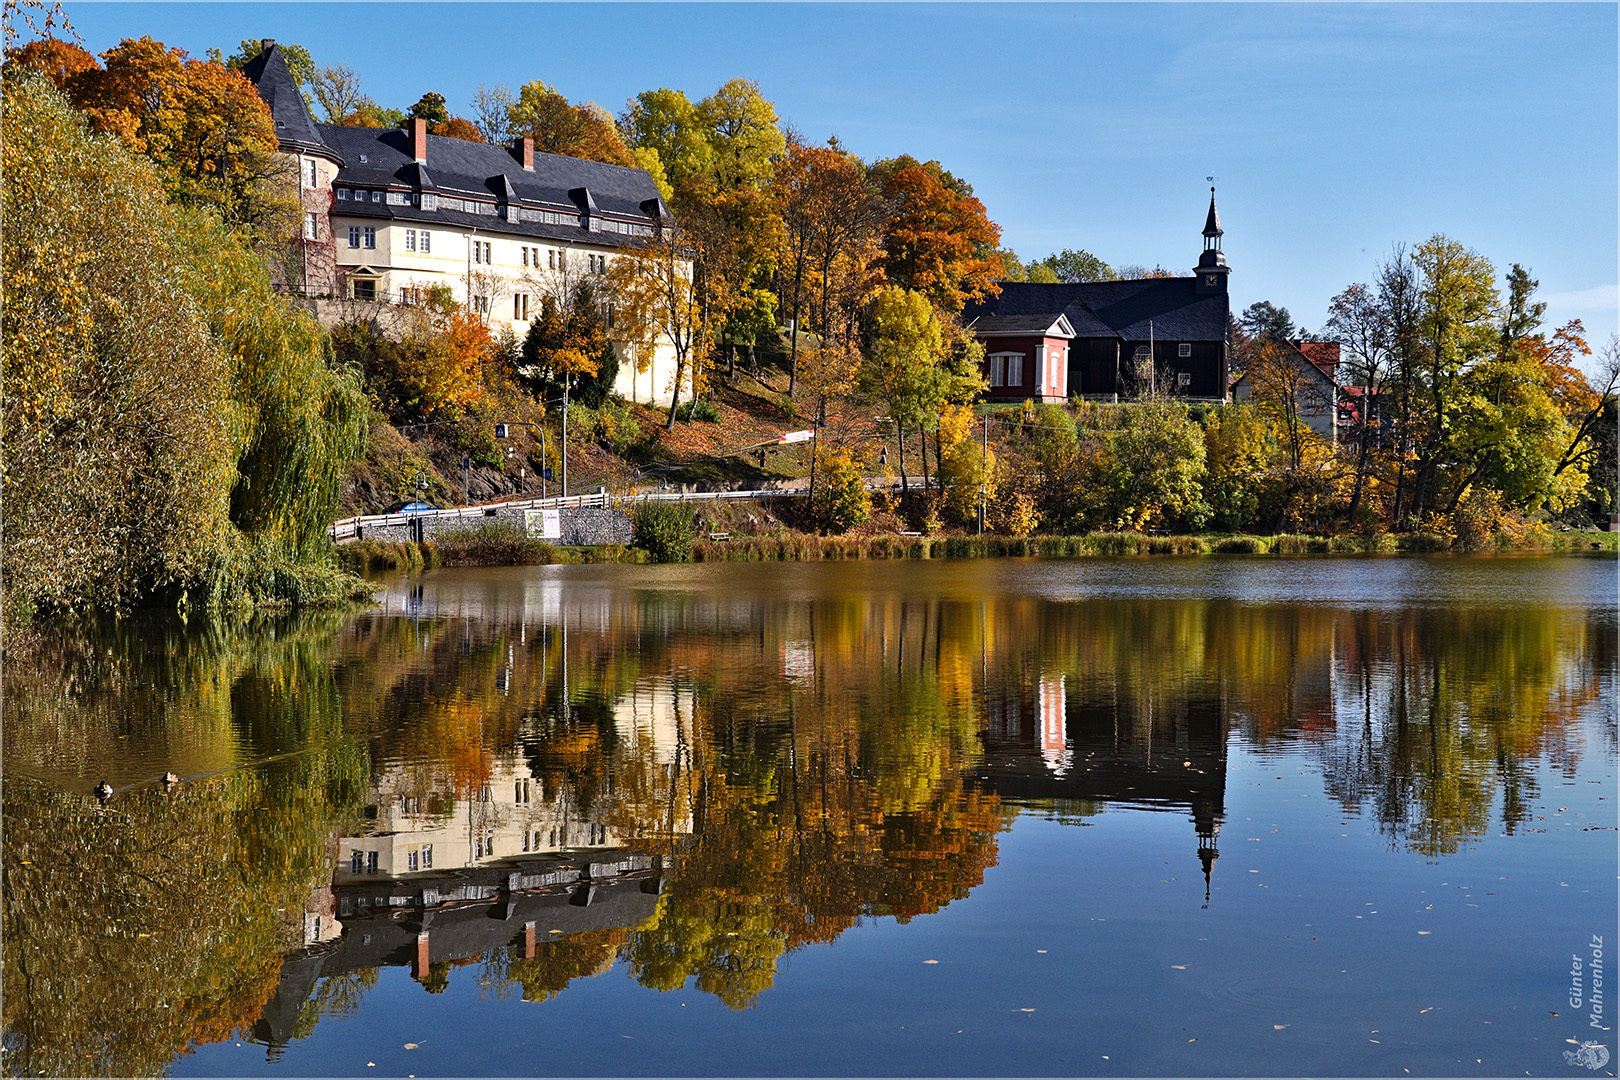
[580, 525]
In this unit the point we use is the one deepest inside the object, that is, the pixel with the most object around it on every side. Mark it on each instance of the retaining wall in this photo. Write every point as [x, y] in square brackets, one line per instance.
[580, 525]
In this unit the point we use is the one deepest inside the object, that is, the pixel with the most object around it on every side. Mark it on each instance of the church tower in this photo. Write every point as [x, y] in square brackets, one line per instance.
[1212, 268]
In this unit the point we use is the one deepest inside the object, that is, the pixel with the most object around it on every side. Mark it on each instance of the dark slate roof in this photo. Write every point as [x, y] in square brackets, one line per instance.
[1116, 309]
[480, 170]
[295, 128]
[1051, 323]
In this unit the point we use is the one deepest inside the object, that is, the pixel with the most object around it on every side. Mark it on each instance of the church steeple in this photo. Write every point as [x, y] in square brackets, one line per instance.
[1212, 269]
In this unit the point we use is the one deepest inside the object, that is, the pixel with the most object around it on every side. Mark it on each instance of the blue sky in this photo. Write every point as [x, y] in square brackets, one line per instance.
[1334, 130]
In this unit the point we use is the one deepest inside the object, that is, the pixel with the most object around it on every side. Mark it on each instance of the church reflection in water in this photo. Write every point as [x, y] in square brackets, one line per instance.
[1050, 742]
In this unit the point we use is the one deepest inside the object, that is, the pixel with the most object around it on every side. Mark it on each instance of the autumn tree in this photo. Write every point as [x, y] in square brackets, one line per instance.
[656, 303]
[831, 219]
[58, 61]
[205, 127]
[940, 241]
[560, 127]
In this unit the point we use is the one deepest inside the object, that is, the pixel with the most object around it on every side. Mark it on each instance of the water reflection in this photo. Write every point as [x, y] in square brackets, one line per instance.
[527, 777]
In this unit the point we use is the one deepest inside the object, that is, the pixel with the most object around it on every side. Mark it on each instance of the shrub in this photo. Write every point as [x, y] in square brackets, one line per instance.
[841, 499]
[500, 543]
[664, 530]
[698, 409]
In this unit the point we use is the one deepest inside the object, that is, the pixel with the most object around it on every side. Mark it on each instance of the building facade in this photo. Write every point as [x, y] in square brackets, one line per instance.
[390, 214]
[1125, 338]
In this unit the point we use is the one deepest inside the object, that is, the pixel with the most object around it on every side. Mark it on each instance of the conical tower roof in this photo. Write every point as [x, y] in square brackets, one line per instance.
[1212, 224]
[295, 128]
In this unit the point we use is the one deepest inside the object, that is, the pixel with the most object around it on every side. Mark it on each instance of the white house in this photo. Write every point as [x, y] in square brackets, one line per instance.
[392, 212]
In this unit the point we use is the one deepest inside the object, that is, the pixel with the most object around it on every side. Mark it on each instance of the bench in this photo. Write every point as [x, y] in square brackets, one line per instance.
[719, 536]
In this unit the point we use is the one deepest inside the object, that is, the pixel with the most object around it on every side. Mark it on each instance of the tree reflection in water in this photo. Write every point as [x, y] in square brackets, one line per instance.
[787, 767]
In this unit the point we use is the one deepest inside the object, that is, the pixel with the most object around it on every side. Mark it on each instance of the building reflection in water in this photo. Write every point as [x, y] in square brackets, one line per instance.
[1048, 743]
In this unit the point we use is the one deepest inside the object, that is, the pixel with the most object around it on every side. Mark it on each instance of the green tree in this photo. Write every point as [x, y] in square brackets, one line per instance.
[1156, 468]
[1076, 266]
[905, 361]
[744, 138]
[665, 122]
[430, 107]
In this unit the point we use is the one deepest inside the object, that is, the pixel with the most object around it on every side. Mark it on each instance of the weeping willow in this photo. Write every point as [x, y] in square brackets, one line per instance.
[172, 428]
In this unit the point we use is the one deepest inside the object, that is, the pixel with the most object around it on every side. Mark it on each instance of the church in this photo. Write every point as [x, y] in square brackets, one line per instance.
[1096, 339]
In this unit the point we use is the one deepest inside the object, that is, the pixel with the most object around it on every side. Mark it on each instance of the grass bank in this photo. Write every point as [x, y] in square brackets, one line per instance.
[507, 545]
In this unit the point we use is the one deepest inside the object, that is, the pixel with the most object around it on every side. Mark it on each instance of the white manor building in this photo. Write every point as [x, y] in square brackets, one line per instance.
[391, 212]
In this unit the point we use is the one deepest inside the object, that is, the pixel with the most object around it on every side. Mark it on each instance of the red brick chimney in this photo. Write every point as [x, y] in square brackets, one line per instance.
[523, 150]
[419, 139]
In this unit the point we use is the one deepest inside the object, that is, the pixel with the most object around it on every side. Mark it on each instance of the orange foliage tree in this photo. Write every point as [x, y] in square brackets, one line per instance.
[940, 241]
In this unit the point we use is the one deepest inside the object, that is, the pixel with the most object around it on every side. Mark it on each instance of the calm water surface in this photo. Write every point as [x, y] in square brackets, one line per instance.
[1330, 816]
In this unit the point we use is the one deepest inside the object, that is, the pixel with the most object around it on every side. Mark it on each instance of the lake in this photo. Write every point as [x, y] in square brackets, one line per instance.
[1349, 816]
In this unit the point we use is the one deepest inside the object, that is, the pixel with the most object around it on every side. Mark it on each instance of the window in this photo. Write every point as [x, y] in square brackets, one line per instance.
[311, 227]
[481, 253]
[411, 804]
[1006, 369]
[410, 239]
[354, 236]
[1183, 379]
[377, 196]
[427, 856]
[343, 193]
[371, 237]
[365, 289]
[551, 258]
[399, 198]
[480, 304]
[356, 861]
[427, 243]
[311, 175]
[1184, 349]
[520, 312]
[430, 200]
[525, 256]
[371, 862]
[410, 859]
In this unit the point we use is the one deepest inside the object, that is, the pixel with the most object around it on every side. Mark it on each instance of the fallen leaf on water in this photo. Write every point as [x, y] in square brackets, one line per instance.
[1195, 1040]
[1040, 950]
[410, 1046]
[930, 961]
[1179, 967]
[1026, 1010]
[1278, 1027]
[1422, 1011]
[1425, 931]
[1375, 1040]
